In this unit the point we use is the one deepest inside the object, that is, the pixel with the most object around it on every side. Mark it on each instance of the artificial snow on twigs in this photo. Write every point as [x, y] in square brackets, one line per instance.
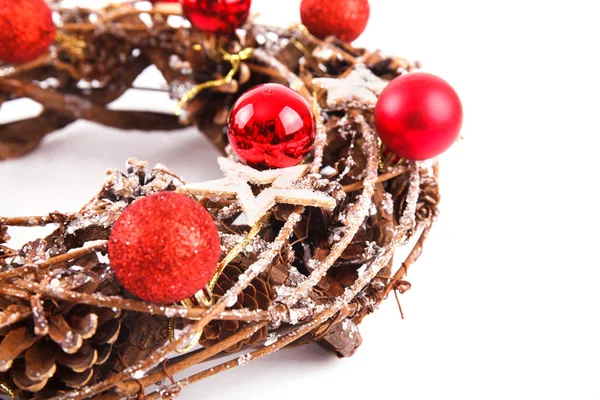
[285, 188]
[360, 89]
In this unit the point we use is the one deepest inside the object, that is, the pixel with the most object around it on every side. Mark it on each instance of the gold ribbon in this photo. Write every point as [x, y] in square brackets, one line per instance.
[236, 62]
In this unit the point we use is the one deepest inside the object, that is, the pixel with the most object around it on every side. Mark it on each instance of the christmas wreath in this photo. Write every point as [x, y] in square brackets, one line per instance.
[327, 169]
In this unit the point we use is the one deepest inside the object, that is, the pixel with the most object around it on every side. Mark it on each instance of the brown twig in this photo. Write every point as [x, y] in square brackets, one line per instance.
[267, 71]
[72, 255]
[42, 60]
[412, 257]
[135, 305]
[75, 107]
[20, 137]
[120, 14]
[182, 363]
[41, 220]
[381, 178]
[10, 290]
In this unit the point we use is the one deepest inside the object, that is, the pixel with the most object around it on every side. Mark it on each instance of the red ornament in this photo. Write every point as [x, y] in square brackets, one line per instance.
[217, 16]
[271, 126]
[346, 19]
[418, 116]
[26, 30]
[164, 248]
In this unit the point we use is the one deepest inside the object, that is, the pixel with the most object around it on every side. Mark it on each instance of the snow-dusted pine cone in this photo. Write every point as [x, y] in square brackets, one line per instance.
[60, 345]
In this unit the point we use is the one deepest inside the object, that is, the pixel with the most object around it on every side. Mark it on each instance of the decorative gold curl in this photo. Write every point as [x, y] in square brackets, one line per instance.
[236, 62]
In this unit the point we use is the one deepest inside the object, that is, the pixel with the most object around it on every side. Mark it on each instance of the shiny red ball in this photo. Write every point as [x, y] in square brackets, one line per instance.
[26, 30]
[346, 19]
[271, 126]
[418, 116]
[164, 247]
[217, 16]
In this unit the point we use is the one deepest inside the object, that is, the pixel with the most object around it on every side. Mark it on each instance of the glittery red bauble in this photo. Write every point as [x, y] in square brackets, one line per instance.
[26, 30]
[217, 16]
[418, 116]
[164, 248]
[346, 19]
[271, 126]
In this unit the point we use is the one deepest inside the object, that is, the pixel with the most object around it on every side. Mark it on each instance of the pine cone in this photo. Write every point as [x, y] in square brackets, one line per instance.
[255, 296]
[429, 196]
[59, 345]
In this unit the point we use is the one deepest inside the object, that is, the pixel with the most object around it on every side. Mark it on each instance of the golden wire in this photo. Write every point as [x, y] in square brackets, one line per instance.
[236, 62]
[204, 297]
[237, 249]
[380, 153]
[192, 342]
[8, 390]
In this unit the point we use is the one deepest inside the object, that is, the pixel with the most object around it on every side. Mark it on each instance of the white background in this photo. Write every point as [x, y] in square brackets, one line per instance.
[505, 300]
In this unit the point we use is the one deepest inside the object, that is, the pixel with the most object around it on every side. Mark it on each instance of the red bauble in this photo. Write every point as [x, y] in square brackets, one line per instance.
[26, 30]
[346, 19]
[418, 116]
[164, 247]
[271, 126]
[217, 16]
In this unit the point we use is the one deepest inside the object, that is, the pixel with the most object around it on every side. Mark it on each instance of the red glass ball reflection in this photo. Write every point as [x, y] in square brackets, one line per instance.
[217, 16]
[164, 247]
[26, 30]
[271, 126]
[418, 116]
